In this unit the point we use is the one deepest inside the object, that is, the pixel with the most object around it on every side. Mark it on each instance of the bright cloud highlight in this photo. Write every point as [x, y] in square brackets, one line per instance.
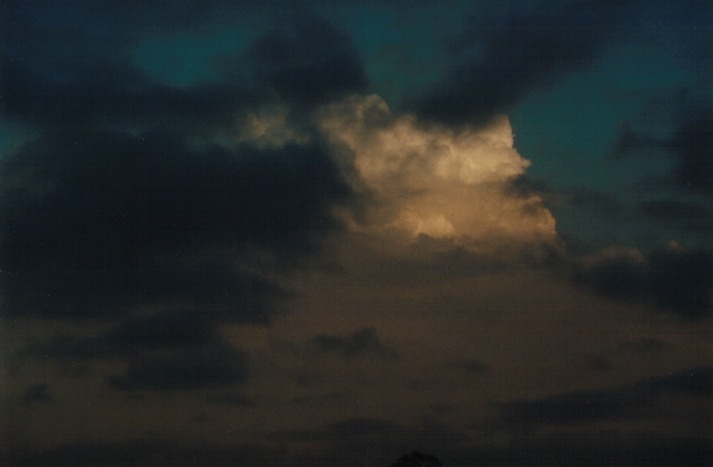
[425, 179]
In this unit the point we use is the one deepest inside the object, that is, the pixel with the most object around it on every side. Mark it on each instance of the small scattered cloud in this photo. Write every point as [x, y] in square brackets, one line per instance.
[647, 345]
[469, 365]
[319, 398]
[229, 398]
[609, 358]
[599, 363]
[605, 205]
[364, 342]
[37, 393]
[690, 146]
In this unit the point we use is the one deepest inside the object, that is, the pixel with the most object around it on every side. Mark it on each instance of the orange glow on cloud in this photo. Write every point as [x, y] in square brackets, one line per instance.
[435, 181]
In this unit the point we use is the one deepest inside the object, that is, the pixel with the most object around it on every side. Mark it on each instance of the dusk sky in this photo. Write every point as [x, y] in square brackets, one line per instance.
[299, 233]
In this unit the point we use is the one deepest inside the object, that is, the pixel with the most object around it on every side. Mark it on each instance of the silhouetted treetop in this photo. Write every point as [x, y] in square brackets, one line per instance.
[417, 459]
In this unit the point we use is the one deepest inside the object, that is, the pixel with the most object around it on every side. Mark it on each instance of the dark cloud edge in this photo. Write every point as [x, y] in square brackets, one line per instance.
[632, 401]
[515, 54]
[671, 279]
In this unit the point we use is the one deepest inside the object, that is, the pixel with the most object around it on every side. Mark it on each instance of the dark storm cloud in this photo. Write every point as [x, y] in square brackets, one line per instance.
[679, 215]
[103, 219]
[108, 25]
[164, 351]
[161, 330]
[100, 221]
[690, 145]
[362, 342]
[71, 68]
[122, 200]
[111, 93]
[69, 65]
[530, 48]
[631, 401]
[674, 280]
[308, 63]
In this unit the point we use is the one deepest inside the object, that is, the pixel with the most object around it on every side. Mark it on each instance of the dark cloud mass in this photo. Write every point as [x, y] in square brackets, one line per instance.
[215, 364]
[168, 330]
[672, 279]
[692, 146]
[69, 65]
[103, 221]
[128, 195]
[630, 401]
[686, 216]
[308, 63]
[174, 350]
[116, 95]
[527, 49]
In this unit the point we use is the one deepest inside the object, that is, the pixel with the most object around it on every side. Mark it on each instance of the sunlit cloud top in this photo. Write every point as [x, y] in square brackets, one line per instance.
[426, 179]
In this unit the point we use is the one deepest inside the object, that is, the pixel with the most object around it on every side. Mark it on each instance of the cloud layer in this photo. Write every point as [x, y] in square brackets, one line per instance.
[298, 234]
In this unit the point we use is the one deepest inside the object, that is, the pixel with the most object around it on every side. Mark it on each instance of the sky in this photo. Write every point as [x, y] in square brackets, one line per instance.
[336, 232]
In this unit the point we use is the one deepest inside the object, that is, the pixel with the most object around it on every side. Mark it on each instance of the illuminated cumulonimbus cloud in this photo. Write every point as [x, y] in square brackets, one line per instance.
[425, 179]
